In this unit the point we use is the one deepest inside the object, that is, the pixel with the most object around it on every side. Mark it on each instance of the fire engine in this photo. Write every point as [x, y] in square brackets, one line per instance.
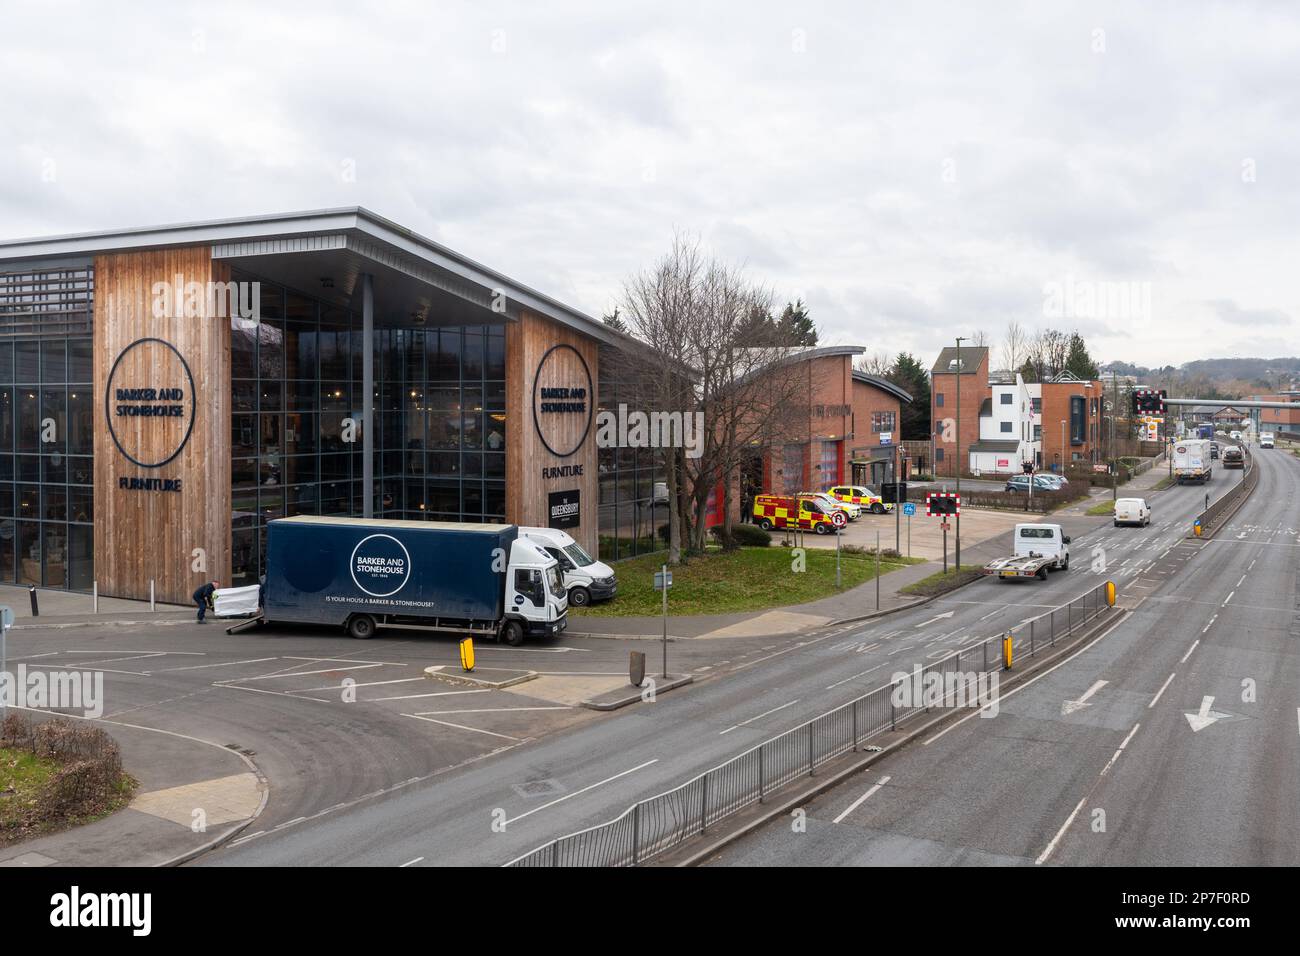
[796, 511]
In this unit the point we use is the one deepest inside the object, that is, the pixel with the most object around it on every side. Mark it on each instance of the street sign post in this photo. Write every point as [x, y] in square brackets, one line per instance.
[663, 581]
[909, 509]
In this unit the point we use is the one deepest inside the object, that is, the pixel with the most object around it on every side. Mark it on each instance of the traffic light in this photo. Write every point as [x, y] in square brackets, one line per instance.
[1149, 401]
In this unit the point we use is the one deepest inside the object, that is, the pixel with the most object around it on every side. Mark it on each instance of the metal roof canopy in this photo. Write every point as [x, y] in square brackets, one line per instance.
[416, 279]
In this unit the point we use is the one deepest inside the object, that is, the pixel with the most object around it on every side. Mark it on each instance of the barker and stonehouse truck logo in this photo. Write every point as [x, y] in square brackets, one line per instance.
[380, 565]
[149, 404]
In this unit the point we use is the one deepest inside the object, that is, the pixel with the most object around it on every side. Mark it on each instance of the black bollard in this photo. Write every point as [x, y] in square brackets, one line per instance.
[36, 611]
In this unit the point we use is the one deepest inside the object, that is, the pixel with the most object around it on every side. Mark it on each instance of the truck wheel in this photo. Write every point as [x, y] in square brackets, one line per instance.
[361, 626]
[1042, 573]
[512, 632]
[1117, 522]
[579, 597]
[877, 509]
[766, 524]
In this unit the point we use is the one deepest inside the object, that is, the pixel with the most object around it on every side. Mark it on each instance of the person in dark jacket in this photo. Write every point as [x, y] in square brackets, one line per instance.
[203, 598]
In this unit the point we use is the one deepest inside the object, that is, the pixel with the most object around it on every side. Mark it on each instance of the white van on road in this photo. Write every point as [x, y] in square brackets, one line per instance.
[1132, 511]
[585, 578]
[1265, 439]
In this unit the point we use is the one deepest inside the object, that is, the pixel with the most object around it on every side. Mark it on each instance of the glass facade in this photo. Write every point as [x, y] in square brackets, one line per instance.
[633, 501]
[46, 429]
[296, 382]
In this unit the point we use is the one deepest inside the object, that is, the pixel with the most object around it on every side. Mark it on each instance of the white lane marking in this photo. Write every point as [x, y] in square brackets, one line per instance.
[487, 710]
[1115, 756]
[1209, 624]
[575, 793]
[448, 723]
[263, 690]
[759, 717]
[411, 862]
[118, 660]
[862, 799]
[1227, 599]
[855, 676]
[195, 667]
[32, 657]
[1252, 565]
[1243, 578]
[1028, 683]
[348, 660]
[937, 617]
[1060, 833]
[371, 683]
[1189, 651]
[1163, 687]
[443, 693]
[325, 670]
[1297, 719]
[526, 650]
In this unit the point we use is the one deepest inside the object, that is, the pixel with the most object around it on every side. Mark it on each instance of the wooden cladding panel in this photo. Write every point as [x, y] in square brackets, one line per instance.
[527, 343]
[144, 535]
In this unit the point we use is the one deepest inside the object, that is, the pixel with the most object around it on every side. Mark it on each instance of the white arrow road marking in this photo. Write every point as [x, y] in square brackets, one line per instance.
[939, 617]
[1070, 706]
[1200, 721]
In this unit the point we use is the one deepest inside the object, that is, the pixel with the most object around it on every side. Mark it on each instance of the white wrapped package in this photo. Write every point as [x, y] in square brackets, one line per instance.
[235, 602]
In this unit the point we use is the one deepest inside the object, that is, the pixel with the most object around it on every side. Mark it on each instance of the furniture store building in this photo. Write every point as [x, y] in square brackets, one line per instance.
[167, 391]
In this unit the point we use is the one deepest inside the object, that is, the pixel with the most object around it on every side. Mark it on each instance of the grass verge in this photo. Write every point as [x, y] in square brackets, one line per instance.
[1105, 508]
[941, 582]
[747, 579]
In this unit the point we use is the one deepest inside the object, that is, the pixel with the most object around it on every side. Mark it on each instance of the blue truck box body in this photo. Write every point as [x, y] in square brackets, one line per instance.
[322, 570]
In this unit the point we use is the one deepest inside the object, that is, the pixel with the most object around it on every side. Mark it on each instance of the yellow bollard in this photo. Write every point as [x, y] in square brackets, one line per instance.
[1110, 593]
[467, 654]
[1006, 652]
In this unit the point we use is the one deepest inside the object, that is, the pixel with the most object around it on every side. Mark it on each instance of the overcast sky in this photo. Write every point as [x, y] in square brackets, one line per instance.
[913, 171]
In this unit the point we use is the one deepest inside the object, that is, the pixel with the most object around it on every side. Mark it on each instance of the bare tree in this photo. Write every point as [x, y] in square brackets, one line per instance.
[879, 364]
[980, 339]
[1014, 346]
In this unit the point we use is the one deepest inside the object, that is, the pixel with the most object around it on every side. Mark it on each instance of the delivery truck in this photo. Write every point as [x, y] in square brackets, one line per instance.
[1192, 460]
[361, 574]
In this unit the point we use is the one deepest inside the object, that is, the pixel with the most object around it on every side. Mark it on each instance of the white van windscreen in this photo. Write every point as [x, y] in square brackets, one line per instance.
[1037, 533]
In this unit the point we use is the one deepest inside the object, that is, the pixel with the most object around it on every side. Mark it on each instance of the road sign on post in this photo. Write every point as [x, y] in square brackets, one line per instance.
[6, 622]
[909, 509]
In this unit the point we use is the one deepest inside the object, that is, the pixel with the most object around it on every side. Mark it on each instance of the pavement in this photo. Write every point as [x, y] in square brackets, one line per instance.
[191, 795]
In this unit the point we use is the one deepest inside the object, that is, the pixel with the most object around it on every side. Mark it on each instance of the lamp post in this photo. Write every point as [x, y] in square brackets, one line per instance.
[1062, 447]
[957, 555]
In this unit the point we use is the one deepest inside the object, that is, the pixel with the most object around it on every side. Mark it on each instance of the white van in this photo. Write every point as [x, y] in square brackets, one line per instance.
[1132, 511]
[1265, 439]
[585, 578]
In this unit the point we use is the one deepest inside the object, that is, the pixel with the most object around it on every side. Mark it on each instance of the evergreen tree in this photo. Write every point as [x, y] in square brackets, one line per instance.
[795, 327]
[615, 321]
[912, 377]
[1028, 372]
[1078, 361]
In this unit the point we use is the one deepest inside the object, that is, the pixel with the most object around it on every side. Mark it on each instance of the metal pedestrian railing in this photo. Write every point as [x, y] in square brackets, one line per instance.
[650, 827]
[1220, 509]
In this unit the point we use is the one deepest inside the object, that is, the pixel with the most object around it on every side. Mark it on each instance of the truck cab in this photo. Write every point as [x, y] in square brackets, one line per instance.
[584, 578]
[1043, 540]
[536, 604]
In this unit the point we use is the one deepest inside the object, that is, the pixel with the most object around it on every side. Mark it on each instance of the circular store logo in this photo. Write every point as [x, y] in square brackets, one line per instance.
[150, 402]
[380, 565]
[562, 400]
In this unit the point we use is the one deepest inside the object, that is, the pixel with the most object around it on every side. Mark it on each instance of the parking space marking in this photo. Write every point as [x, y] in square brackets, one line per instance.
[570, 796]
[195, 667]
[448, 723]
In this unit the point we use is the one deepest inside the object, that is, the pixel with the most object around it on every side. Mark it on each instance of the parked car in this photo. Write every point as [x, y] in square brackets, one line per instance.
[853, 511]
[1060, 481]
[1041, 483]
[862, 496]
[1132, 511]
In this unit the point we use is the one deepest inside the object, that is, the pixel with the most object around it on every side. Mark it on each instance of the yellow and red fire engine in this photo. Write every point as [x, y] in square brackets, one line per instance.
[796, 511]
[860, 495]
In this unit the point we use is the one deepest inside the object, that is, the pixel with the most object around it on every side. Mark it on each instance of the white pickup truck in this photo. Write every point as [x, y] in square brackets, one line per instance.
[1039, 548]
